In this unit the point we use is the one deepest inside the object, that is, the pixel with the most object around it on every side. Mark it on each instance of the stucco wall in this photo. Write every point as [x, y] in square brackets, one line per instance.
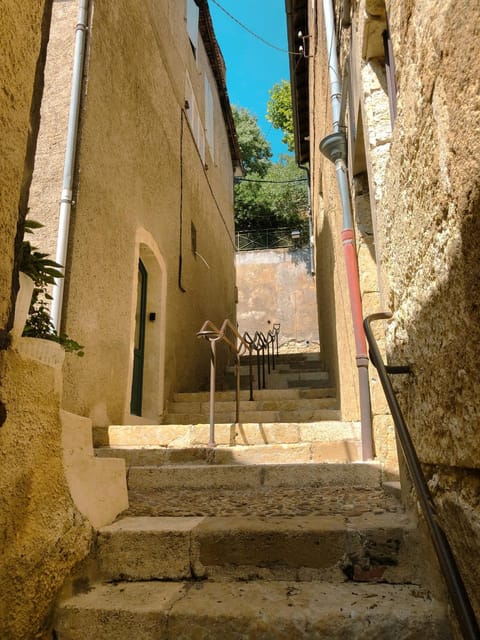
[335, 322]
[276, 286]
[140, 176]
[43, 534]
[46, 187]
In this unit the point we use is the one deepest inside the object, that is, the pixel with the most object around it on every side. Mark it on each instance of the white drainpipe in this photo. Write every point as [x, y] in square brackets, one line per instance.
[70, 153]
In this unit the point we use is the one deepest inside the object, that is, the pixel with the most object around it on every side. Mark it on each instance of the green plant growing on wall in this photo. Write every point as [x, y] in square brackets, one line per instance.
[43, 271]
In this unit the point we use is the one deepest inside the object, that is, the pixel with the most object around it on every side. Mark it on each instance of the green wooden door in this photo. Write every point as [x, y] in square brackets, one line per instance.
[139, 346]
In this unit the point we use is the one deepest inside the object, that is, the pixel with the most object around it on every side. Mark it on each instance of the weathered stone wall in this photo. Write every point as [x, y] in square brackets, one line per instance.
[430, 260]
[423, 190]
[43, 534]
[420, 187]
[23, 37]
[369, 130]
[276, 286]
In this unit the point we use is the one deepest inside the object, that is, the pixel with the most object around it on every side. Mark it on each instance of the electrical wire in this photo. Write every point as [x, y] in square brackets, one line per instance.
[252, 33]
[271, 181]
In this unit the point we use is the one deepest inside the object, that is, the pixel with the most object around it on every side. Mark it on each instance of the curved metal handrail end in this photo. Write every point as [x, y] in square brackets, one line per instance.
[380, 315]
[208, 334]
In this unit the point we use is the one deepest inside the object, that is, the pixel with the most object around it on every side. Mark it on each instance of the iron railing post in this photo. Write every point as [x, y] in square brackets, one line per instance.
[259, 371]
[276, 328]
[271, 334]
[211, 442]
[268, 356]
[250, 371]
[237, 390]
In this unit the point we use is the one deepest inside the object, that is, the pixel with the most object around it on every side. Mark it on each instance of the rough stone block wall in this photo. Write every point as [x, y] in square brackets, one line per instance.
[371, 132]
[430, 259]
[43, 534]
[23, 35]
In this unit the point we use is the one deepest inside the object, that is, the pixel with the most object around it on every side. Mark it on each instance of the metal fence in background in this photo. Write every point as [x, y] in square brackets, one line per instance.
[276, 238]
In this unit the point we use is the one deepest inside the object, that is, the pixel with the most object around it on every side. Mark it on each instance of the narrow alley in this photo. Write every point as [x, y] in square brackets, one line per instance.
[239, 328]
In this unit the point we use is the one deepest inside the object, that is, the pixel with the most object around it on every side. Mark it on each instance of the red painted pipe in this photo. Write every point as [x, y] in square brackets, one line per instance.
[348, 241]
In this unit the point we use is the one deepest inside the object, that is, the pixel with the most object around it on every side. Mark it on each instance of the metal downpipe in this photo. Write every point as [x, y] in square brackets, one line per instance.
[310, 221]
[69, 164]
[334, 147]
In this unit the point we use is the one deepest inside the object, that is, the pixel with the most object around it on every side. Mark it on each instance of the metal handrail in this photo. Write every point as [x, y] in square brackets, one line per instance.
[257, 345]
[456, 588]
[271, 341]
[264, 344]
[238, 346]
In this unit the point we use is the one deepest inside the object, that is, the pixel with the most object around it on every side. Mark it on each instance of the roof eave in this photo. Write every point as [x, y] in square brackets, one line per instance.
[218, 68]
[297, 20]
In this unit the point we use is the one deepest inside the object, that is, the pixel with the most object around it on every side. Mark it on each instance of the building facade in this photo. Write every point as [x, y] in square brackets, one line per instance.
[152, 185]
[408, 81]
[43, 533]
[150, 249]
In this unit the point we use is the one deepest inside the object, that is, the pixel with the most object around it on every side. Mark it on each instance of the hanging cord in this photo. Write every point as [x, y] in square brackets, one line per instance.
[252, 33]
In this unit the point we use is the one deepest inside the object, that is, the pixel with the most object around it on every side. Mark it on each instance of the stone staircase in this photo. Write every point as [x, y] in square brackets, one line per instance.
[278, 532]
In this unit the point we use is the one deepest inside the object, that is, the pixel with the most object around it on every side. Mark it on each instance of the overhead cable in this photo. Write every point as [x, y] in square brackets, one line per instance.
[271, 181]
[255, 35]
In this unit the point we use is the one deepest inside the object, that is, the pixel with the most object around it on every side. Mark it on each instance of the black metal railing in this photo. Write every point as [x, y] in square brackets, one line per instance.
[453, 579]
[275, 238]
[264, 347]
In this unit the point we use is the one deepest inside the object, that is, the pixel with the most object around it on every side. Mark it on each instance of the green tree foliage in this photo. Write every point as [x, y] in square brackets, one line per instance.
[278, 199]
[271, 194]
[255, 149]
[279, 112]
[286, 194]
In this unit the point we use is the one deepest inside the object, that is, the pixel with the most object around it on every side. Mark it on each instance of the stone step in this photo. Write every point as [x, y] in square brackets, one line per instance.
[246, 406]
[261, 416]
[262, 501]
[347, 450]
[280, 368]
[188, 435]
[253, 476]
[279, 375]
[252, 611]
[313, 356]
[259, 394]
[366, 548]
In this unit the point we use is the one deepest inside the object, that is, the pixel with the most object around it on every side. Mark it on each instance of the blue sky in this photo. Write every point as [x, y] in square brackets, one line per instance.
[253, 67]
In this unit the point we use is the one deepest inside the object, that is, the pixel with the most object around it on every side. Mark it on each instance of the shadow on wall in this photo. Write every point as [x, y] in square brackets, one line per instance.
[301, 256]
[327, 321]
[441, 341]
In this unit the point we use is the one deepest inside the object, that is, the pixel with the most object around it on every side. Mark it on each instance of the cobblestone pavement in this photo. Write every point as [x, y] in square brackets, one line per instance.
[261, 502]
